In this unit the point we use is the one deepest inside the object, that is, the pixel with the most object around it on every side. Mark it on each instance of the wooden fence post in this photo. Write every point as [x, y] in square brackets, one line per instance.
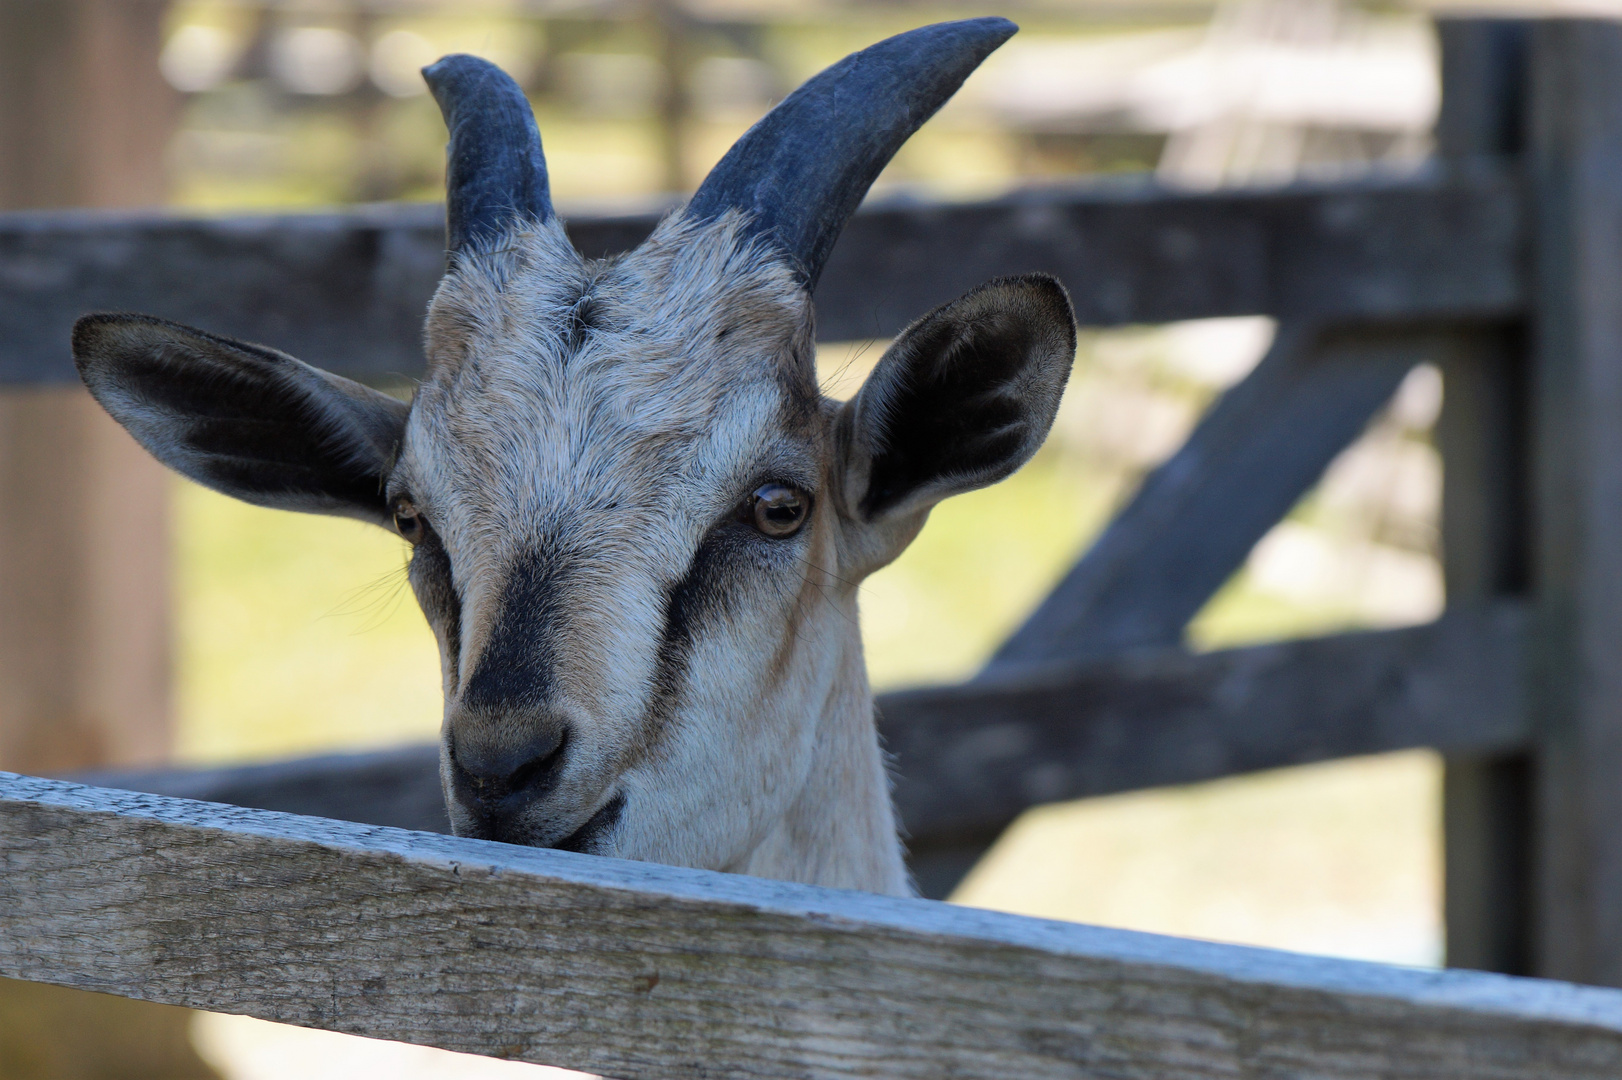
[85, 650]
[1574, 161]
[84, 554]
[1487, 800]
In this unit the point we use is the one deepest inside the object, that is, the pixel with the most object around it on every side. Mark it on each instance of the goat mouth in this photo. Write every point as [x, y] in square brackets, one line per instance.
[596, 827]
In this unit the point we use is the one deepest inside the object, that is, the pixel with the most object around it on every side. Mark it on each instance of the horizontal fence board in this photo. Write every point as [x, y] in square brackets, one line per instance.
[635, 970]
[970, 758]
[1431, 247]
[347, 291]
[398, 787]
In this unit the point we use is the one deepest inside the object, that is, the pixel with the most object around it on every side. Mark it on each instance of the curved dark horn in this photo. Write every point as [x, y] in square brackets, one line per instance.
[495, 172]
[802, 170]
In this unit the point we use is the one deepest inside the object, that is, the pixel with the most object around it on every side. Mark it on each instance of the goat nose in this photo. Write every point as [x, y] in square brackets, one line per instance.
[493, 772]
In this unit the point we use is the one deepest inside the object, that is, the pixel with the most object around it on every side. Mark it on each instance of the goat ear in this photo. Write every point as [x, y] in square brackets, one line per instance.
[243, 419]
[963, 397]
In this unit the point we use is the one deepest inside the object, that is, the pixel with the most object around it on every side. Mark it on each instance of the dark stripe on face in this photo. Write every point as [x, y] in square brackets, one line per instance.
[692, 603]
[515, 671]
[430, 574]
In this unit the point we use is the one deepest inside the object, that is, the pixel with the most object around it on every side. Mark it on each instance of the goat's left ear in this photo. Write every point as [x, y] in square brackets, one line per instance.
[242, 419]
[961, 399]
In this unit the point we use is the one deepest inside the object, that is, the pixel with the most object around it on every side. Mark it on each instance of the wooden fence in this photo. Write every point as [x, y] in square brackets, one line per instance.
[1502, 264]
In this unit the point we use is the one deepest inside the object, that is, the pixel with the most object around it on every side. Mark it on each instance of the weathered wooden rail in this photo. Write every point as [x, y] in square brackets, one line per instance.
[637, 970]
[1502, 264]
[347, 290]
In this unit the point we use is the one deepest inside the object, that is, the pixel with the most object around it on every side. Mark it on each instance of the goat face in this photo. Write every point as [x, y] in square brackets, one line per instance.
[580, 473]
[637, 526]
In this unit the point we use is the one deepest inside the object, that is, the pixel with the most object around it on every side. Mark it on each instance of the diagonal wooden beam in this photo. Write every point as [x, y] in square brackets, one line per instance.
[643, 971]
[1258, 450]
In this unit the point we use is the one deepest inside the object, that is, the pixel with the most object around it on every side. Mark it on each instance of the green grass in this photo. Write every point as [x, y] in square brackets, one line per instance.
[980, 565]
[296, 634]
[1342, 858]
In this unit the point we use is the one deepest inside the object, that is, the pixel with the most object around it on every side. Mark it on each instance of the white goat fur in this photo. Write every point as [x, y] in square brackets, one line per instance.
[695, 384]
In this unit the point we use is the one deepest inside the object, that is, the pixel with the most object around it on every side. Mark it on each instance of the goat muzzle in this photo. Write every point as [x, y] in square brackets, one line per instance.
[497, 781]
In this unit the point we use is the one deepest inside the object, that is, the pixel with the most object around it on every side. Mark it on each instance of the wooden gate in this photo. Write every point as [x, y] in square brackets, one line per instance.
[1502, 264]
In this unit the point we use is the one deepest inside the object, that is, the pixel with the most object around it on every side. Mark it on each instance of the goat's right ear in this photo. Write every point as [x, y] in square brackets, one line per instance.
[242, 419]
[963, 397]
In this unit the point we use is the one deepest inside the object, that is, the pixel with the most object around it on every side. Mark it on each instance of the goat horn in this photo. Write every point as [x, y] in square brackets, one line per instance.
[495, 173]
[801, 171]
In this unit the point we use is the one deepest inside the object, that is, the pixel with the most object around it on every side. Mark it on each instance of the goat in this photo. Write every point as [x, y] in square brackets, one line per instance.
[636, 526]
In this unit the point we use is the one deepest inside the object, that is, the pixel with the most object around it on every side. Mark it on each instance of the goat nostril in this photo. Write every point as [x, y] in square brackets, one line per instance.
[539, 769]
[529, 771]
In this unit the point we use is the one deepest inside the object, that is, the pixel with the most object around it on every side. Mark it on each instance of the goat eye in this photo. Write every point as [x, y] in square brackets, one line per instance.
[778, 510]
[408, 521]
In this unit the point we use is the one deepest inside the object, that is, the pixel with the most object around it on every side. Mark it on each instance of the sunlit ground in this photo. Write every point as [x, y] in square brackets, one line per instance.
[243, 1048]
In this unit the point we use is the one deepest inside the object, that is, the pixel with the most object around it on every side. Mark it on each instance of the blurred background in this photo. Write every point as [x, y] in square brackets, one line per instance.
[236, 634]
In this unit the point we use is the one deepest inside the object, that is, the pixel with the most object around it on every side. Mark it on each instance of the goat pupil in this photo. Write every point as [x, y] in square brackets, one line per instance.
[407, 521]
[779, 509]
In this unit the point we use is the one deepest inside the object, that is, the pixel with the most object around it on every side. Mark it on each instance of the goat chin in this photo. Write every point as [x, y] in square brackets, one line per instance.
[798, 792]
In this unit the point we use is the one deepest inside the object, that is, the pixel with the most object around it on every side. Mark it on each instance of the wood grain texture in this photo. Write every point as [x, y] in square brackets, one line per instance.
[971, 757]
[635, 970]
[348, 291]
[85, 558]
[1574, 157]
[1190, 526]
